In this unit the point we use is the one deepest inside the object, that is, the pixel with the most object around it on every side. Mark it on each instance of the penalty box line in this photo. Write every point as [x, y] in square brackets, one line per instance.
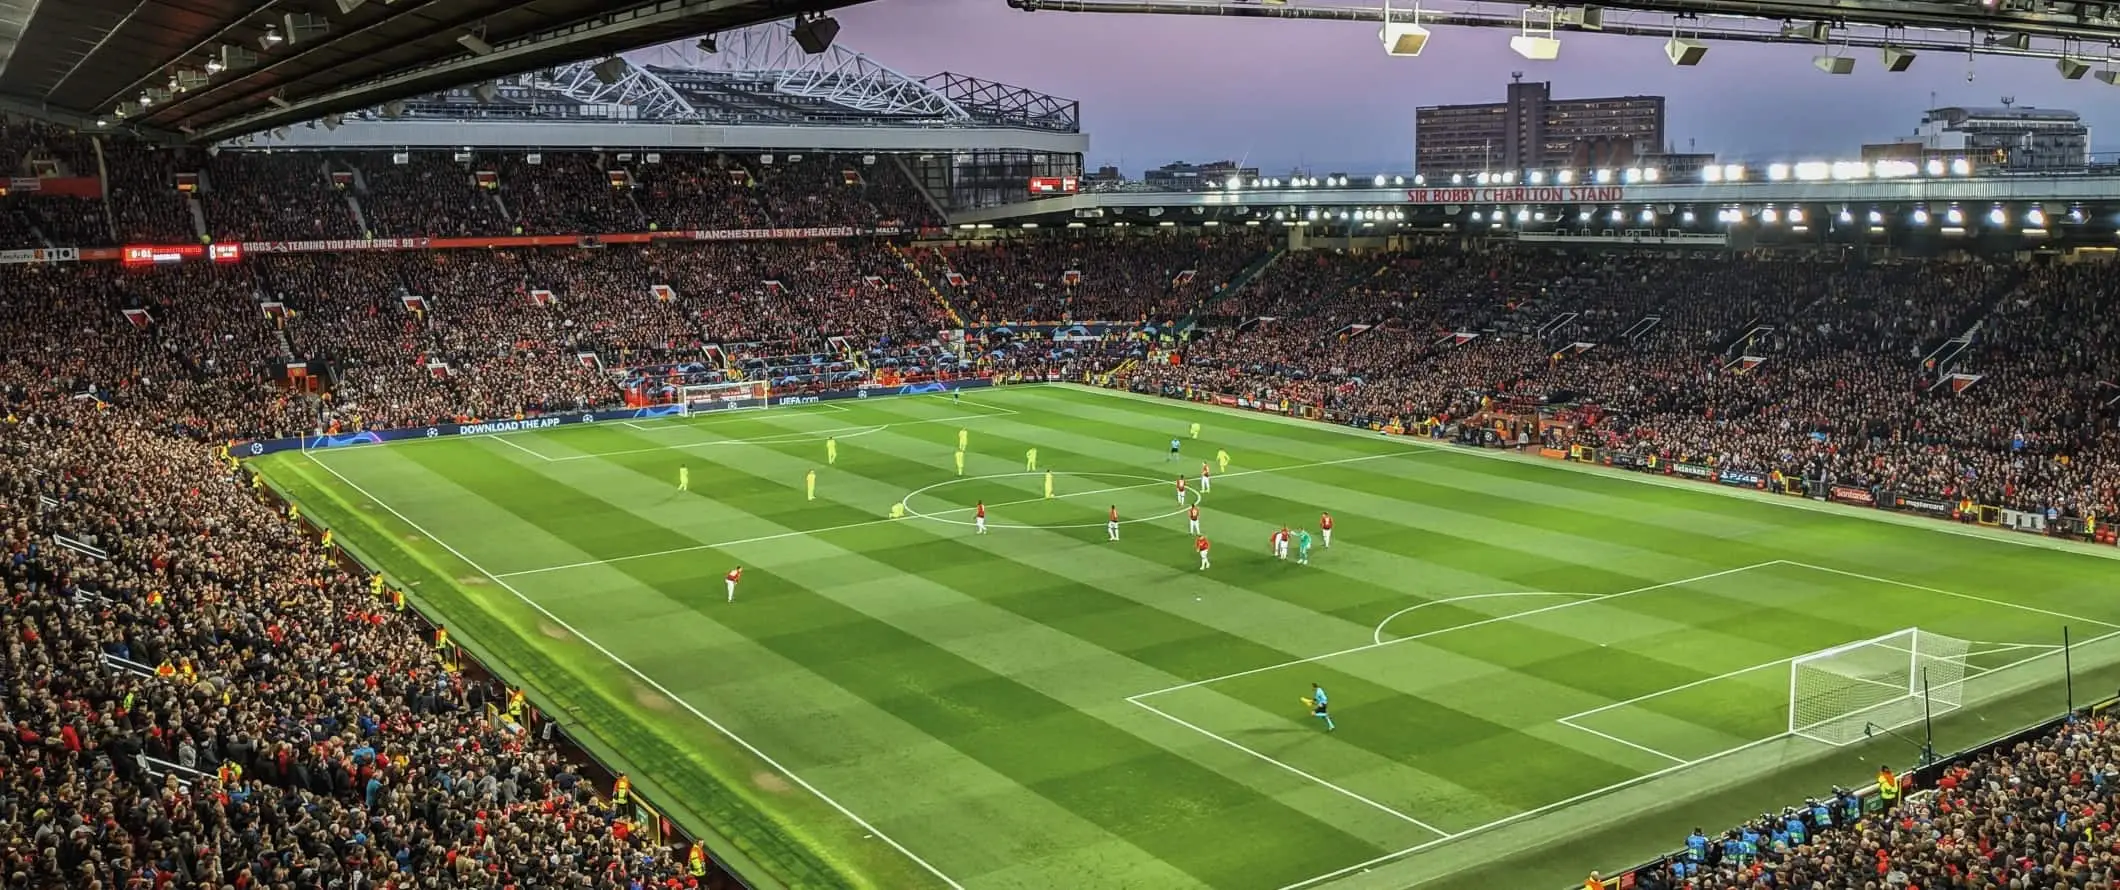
[1442, 835]
[1680, 764]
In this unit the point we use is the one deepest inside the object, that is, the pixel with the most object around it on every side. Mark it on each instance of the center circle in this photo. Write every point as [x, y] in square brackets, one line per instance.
[950, 515]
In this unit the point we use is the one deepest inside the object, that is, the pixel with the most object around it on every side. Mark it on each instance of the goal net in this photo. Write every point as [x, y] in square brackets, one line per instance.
[1838, 694]
[704, 398]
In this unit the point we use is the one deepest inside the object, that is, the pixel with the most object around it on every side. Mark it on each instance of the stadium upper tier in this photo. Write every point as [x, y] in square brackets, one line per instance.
[758, 89]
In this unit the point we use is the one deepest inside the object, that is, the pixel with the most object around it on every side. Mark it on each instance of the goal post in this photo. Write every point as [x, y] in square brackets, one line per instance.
[705, 398]
[1837, 694]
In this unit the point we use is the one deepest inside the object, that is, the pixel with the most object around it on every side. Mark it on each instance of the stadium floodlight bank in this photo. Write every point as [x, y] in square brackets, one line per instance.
[1837, 694]
[706, 398]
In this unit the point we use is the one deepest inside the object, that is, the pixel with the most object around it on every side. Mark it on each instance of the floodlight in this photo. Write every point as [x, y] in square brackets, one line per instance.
[1769, 216]
[1685, 52]
[1777, 172]
[1961, 167]
[1834, 64]
[346, 7]
[1876, 218]
[2036, 218]
[815, 34]
[476, 44]
[1564, 177]
[1996, 217]
[1686, 217]
[1954, 216]
[1796, 216]
[1403, 38]
[1895, 59]
[485, 92]
[1604, 176]
[1847, 217]
[2072, 69]
[706, 44]
[1934, 167]
[1537, 49]
[2110, 77]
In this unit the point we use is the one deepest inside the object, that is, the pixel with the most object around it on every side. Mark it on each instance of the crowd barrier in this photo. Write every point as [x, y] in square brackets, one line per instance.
[259, 447]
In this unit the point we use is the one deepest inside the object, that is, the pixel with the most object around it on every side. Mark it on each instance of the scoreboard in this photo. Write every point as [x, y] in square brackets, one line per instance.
[1055, 185]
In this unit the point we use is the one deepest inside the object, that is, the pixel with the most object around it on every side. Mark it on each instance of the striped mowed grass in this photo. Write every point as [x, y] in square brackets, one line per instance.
[1528, 664]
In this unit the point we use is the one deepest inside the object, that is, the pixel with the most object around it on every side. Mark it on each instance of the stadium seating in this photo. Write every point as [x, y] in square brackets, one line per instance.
[122, 377]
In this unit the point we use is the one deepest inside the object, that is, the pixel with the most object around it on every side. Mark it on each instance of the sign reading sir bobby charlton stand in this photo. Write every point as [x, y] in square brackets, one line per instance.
[1519, 194]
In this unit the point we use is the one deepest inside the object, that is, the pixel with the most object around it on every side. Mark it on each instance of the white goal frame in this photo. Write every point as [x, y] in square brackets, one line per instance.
[1836, 695]
[708, 398]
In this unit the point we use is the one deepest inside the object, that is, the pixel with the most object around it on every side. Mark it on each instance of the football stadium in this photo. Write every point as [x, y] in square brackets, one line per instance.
[656, 445]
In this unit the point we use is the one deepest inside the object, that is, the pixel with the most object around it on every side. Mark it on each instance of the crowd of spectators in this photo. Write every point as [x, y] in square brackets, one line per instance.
[2034, 816]
[247, 195]
[284, 196]
[1814, 369]
[1154, 278]
[199, 695]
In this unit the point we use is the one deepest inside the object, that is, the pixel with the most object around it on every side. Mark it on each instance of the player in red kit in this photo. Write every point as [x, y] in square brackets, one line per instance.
[1206, 479]
[979, 517]
[1192, 519]
[1325, 526]
[1200, 542]
[735, 575]
[1280, 543]
[1111, 526]
[1181, 491]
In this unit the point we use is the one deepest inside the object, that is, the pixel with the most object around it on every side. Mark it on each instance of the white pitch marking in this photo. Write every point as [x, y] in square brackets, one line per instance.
[652, 683]
[504, 440]
[1379, 636]
[1344, 792]
[1608, 736]
[1458, 627]
[870, 522]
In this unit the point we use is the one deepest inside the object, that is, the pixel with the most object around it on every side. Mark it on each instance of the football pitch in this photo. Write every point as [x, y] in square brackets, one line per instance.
[1534, 669]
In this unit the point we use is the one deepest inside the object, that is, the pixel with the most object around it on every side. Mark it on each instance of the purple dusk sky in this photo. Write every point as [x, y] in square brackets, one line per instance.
[1323, 95]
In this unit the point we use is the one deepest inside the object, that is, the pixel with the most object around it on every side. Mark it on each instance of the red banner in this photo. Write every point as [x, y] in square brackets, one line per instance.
[334, 246]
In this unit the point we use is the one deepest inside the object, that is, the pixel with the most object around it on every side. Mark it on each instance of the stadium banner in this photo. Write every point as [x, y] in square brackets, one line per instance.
[34, 255]
[1519, 194]
[335, 245]
[486, 428]
[1692, 471]
[1625, 460]
[1921, 503]
[1055, 330]
[1741, 479]
[1849, 494]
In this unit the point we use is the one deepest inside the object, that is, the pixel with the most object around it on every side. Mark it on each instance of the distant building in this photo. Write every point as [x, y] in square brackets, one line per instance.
[1104, 174]
[2005, 137]
[1186, 177]
[1531, 130]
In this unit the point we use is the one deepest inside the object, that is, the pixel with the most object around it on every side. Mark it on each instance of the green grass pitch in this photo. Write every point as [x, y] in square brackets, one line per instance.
[1535, 668]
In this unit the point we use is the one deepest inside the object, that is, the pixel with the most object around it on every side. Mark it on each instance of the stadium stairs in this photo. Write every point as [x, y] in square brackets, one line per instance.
[1237, 283]
[912, 265]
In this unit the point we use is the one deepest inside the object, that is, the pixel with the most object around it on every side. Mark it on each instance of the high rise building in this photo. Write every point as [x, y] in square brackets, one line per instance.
[1531, 130]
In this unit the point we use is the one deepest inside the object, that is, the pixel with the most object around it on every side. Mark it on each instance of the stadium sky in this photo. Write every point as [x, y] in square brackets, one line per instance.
[1323, 95]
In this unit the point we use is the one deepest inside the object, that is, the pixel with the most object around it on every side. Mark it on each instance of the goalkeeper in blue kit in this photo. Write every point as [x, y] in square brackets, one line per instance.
[1317, 706]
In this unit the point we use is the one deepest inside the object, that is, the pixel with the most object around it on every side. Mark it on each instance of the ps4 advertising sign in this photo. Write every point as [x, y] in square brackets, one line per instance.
[486, 428]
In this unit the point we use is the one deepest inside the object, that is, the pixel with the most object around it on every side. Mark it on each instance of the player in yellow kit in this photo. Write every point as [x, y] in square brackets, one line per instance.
[809, 484]
[1030, 461]
[960, 463]
[831, 450]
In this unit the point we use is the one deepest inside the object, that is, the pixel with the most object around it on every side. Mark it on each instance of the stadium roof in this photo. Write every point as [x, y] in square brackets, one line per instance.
[212, 69]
